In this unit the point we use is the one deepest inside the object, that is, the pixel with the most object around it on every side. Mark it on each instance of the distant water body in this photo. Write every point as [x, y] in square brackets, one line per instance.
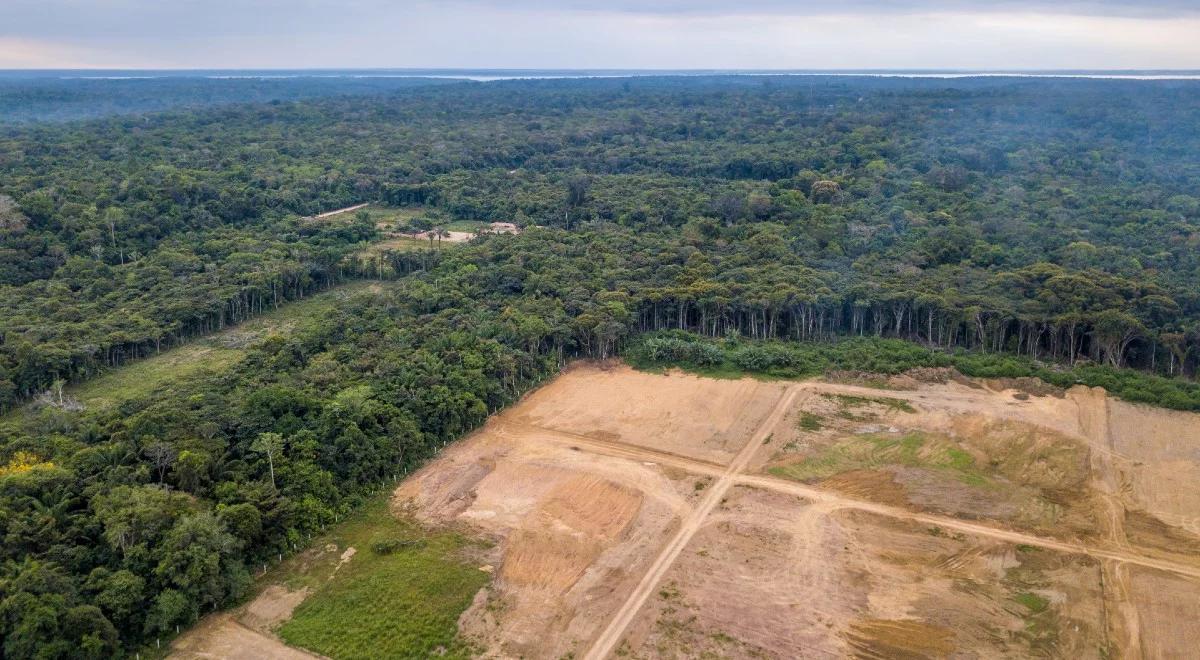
[488, 75]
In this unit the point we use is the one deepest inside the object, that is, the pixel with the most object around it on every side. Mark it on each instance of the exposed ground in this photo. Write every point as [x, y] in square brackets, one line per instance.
[245, 633]
[627, 514]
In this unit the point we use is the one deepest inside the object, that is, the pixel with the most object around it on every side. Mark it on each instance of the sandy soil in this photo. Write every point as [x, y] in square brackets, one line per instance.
[776, 576]
[450, 237]
[244, 633]
[638, 515]
[682, 414]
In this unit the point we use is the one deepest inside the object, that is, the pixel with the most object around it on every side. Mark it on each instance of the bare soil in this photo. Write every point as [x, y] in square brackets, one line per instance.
[651, 516]
[245, 633]
[696, 417]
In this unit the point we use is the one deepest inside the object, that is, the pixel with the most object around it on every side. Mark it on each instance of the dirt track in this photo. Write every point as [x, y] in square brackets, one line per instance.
[834, 501]
[620, 621]
[348, 209]
[637, 515]
[1068, 416]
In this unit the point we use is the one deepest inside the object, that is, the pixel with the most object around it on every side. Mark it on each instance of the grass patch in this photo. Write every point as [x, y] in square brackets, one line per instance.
[378, 215]
[466, 225]
[401, 603]
[810, 422]
[400, 244]
[1033, 602]
[873, 451]
[847, 401]
[139, 379]
[216, 353]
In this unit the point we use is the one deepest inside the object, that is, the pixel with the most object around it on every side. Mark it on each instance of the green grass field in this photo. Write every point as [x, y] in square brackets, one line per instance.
[400, 604]
[466, 225]
[217, 352]
[872, 451]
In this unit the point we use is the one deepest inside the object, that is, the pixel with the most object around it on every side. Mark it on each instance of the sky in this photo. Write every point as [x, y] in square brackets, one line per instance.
[646, 34]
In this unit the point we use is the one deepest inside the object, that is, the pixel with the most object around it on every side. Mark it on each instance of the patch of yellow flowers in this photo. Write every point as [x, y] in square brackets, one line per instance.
[22, 462]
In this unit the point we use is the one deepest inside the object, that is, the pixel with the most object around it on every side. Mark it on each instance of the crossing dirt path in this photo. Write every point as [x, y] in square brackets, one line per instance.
[671, 516]
[608, 639]
[329, 214]
[833, 501]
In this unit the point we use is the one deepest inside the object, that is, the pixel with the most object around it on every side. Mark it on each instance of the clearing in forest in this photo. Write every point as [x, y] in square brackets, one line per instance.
[214, 353]
[615, 513]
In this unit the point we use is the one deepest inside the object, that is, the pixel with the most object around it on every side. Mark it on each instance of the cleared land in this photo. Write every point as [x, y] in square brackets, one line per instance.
[213, 353]
[342, 598]
[614, 512]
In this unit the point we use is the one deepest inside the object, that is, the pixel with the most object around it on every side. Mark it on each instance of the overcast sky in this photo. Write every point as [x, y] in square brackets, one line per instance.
[761, 34]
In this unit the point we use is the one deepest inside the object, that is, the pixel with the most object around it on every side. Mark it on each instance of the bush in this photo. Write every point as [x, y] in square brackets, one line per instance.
[784, 359]
[688, 351]
[766, 357]
[388, 546]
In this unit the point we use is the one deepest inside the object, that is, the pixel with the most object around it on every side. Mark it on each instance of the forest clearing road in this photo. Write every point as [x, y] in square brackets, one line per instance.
[339, 211]
[611, 636]
[837, 501]
[618, 449]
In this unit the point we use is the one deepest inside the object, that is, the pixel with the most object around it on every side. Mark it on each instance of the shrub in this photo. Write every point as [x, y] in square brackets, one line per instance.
[892, 356]
[388, 546]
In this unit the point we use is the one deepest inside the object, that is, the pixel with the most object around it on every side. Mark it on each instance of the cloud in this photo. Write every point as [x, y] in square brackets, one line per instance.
[20, 53]
[760, 34]
[1155, 8]
[95, 18]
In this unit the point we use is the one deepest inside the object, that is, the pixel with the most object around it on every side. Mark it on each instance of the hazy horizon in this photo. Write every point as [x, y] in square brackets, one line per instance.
[534, 73]
[961, 35]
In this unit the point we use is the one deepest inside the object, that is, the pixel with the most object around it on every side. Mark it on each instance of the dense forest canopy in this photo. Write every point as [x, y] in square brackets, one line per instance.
[1046, 225]
[57, 96]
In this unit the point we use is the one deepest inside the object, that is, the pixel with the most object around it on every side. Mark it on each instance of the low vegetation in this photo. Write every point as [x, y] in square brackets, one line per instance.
[847, 401]
[802, 359]
[399, 596]
[870, 451]
[810, 422]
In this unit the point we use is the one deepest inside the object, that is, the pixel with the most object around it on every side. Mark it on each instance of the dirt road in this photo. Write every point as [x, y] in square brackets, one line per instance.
[1115, 558]
[607, 641]
[339, 211]
[832, 500]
